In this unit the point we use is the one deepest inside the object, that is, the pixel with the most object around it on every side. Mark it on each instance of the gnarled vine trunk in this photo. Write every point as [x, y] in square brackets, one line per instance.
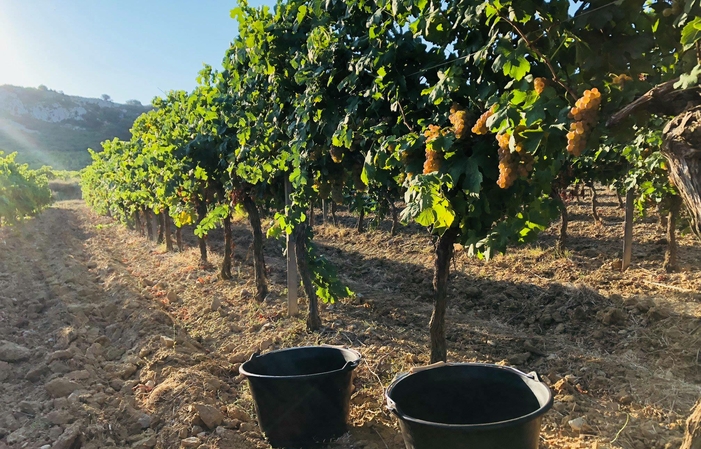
[149, 224]
[594, 202]
[395, 218]
[561, 242]
[670, 257]
[682, 148]
[258, 259]
[161, 226]
[166, 230]
[441, 272]
[201, 213]
[313, 318]
[333, 213]
[692, 436]
[228, 246]
[179, 239]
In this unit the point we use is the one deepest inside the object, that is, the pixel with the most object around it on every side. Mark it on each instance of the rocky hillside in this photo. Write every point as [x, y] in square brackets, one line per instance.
[50, 128]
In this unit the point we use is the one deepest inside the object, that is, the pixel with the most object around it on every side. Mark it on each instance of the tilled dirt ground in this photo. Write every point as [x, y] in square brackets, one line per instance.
[107, 341]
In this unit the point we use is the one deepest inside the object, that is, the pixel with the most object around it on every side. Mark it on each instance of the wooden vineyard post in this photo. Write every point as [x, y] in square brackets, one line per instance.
[628, 231]
[292, 279]
[324, 210]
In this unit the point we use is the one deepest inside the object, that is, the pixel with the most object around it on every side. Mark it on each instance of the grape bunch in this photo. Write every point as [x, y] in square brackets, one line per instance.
[585, 115]
[480, 127]
[512, 165]
[458, 117]
[433, 158]
[620, 80]
[676, 9]
[337, 154]
[539, 85]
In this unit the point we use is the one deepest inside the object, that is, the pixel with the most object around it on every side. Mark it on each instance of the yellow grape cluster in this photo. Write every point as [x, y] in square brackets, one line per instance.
[585, 115]
[512, 165]
[480, 127]
[621, 79]
[337, 154]
[676, 9]
[433, 158]
[539, 85]
[458, 117]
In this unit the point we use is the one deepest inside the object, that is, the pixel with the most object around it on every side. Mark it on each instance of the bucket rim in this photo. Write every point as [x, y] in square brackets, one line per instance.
[392, 406]
[349, 366]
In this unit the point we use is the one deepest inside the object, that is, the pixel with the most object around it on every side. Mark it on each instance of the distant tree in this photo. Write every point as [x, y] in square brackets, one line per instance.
[134, 103]
[42, 87]
[106, 97]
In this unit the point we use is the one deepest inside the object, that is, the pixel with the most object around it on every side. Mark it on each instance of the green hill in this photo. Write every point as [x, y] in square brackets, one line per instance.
[50, 128]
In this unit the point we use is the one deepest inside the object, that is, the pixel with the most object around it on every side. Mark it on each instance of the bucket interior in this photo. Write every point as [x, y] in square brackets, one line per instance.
[300, 361]
[468, 394]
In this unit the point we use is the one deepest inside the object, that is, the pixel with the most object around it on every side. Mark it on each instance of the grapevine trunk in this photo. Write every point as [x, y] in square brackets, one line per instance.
[161, 227]
[228, 245]
[670, 257]
[692, 436]
[169, 238]
[682, 147]
[258, 258]
[444, 253]
[179, 239]
[313, 318]
[201, 213]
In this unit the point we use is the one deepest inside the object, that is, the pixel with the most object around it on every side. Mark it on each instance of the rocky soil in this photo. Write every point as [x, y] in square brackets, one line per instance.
[108, 341]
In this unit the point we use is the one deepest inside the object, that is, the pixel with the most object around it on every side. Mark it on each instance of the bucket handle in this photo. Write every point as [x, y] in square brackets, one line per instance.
[349, 366]
[532, 375]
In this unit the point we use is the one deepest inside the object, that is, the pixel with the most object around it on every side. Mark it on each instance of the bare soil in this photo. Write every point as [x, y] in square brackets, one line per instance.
[122, 344]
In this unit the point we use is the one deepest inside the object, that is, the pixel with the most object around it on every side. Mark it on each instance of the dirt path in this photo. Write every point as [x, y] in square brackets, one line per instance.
[109, 342]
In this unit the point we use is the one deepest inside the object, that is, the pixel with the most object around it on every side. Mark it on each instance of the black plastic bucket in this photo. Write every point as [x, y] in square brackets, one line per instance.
[469, 406]
[302, 395]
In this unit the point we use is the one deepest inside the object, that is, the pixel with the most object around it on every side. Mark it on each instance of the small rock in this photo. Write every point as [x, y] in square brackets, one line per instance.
[644, 304]
[146, 443]
[94, 351]
[172, 296]
[67, 438]
[560, 328]
[625, 399]
[78, 375]
[60, 355]
[577, 424]
[60, 417]
[60, 387]
[238, 358]
[144, 421]
[5, 370]
[116, 383]
[237, 413]
[216, 304]
[249, 427]
[37, 373]
[244, 294]
[518, 359]
[612, 316]
[46, 446]
[29, 407]
[12, 352]
[265, 344]
[190, 442]
[212, 417]
[167, 341]
[657, 313]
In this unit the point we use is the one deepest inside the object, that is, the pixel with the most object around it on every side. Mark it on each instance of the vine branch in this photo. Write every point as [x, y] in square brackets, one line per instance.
[401, 109]
[544, 58]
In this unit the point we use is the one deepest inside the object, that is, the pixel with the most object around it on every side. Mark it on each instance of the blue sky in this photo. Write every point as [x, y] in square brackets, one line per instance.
[127, 49]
